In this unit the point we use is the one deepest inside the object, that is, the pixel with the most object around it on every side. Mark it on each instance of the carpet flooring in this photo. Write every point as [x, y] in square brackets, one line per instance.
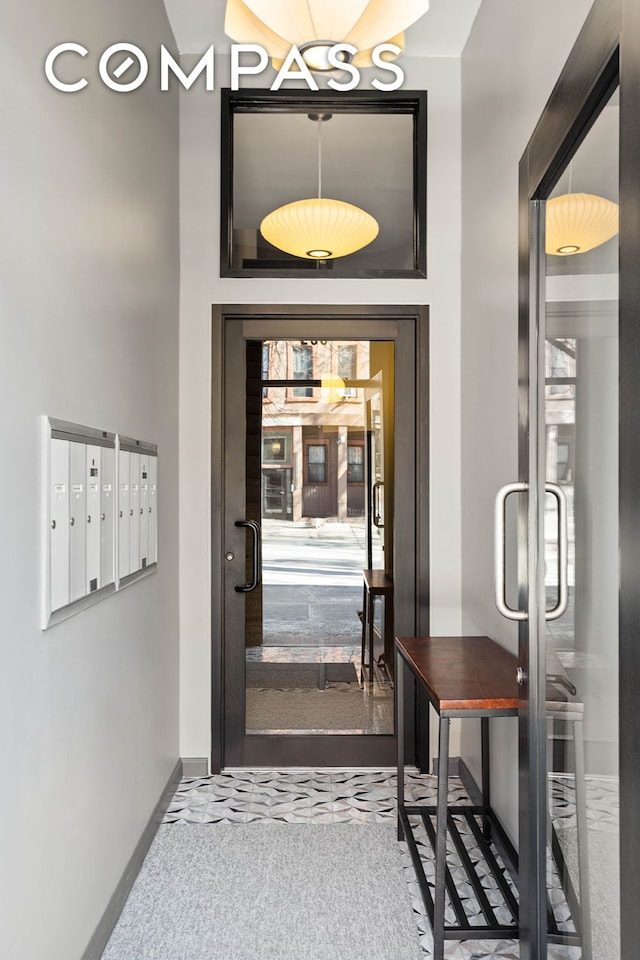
[269, 892]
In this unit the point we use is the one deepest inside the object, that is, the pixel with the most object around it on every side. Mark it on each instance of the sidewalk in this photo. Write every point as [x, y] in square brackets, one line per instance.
[312, 583]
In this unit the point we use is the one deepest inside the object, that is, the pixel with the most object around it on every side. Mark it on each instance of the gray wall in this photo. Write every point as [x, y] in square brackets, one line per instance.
[89, 326]
[509, 66]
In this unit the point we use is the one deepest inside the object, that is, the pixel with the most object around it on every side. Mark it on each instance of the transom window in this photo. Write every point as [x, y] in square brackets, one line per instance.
[368, 150]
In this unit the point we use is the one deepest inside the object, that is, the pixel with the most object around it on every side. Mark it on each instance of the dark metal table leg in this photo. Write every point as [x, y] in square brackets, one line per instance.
[583, 856]
[371, 612]
[441, 840]
[400, 737]
[364, 631]
[486, 775]
[388, 633]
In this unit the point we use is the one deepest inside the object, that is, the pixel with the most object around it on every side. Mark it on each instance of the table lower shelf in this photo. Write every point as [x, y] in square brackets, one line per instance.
[489, 837]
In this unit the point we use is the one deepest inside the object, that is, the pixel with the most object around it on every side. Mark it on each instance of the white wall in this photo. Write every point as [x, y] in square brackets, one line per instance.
[509, 66]
[201, 286]
[88, 319]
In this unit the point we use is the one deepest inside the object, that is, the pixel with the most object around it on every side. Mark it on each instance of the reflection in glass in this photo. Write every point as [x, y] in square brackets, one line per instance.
[276, 163]
[581, 414]
[310, 482]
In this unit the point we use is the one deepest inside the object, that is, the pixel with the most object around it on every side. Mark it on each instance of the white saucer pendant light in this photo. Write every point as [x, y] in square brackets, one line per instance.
[577, 222]
[316, 25]
[319, 228]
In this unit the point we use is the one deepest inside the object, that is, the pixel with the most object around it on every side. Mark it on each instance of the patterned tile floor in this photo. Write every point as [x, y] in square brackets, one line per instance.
[336, 796]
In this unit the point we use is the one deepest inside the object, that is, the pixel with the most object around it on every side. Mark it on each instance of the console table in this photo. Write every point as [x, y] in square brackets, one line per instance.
[462, 677]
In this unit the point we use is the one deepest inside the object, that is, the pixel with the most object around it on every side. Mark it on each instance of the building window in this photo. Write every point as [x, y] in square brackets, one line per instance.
[355, 463]
[348, 368]
[302, 369]
[274, 448]
[316, 463]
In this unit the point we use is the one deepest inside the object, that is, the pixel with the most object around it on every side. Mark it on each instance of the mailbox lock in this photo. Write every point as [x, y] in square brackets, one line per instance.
[89, 519]
[121, 514]
[131, 512]
[141, 511]
[229, 556]
[53, 524]
[72, 522]
[102, 516]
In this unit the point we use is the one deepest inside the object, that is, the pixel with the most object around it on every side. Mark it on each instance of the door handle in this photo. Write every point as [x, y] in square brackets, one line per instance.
[499, 553]
[500, 559]
[377, 487]
[563, 552]
[256, 536]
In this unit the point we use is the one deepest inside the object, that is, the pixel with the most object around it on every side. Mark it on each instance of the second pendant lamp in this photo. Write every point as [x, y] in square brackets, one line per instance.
[319, 228]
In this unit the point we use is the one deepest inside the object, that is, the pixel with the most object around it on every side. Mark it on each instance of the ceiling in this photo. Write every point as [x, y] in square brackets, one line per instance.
[442, 32]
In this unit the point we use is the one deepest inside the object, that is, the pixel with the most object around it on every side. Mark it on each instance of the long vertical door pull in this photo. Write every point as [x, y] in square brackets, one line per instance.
[257, 554]
[500, 552]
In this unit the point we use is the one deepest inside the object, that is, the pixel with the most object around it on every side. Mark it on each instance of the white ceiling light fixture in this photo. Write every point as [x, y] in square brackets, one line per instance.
[577, 222]
[319, 228]
[314, 26]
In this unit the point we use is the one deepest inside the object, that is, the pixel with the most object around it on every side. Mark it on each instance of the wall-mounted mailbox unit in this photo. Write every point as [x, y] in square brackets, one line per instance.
[78, 518]
[137, 504]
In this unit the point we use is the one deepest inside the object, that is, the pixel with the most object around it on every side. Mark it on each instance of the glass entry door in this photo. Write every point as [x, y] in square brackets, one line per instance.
[569, 536]
[580, 435]
[309, 493]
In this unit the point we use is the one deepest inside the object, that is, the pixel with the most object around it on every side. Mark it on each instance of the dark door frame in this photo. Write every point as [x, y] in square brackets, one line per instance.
[607, 49]
[412, 599]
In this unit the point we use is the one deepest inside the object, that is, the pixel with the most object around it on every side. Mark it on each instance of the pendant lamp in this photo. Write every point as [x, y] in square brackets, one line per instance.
[577, 222]
[319, 228]
[314, 26]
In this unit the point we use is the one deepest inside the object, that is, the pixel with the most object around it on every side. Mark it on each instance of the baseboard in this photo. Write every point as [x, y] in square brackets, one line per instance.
[195, 767]
[454, 766]
[469, 783]
[458, 768]
[109, 918]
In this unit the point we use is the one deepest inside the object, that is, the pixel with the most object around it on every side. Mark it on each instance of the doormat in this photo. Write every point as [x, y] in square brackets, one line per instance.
[291, 676]
[274, 891]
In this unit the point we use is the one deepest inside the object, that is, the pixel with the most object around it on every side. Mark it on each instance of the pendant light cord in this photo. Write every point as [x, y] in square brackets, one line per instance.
[319, 158]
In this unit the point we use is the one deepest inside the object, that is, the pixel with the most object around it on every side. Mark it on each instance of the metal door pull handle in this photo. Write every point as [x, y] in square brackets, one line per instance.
[256, 535]
[500, 552]
[377, 513]
[563, 552]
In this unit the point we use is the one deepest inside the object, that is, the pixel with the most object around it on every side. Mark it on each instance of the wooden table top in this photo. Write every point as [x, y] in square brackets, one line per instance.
[378, 581]
[463, 673]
